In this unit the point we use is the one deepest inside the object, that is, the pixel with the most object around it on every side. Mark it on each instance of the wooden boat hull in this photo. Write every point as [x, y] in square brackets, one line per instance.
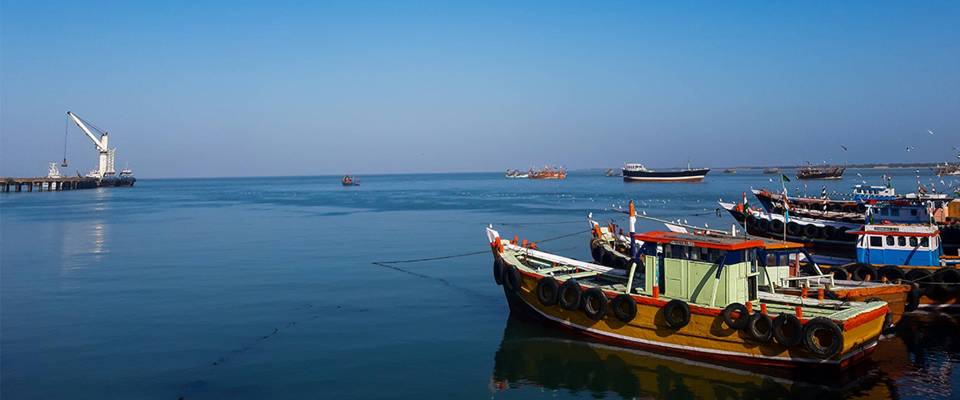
[705, 337]
[692, 175]
[894, 295]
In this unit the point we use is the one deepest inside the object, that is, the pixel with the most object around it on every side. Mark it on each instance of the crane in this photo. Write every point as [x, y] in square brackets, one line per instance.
[107, 155]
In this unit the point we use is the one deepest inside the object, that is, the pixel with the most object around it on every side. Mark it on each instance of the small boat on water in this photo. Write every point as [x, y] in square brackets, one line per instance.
[610, 173]
[947, 169]
[730, 171]
[548, 173]
[688, 295]
[635, 172]
[771, 170]
[349, 181]
[516, 174]
[825, 172]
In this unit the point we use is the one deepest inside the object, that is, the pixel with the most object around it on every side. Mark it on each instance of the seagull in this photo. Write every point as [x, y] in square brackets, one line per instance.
[843, 147]
[929, 131]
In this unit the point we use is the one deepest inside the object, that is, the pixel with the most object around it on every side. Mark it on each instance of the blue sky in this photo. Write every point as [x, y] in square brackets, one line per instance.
[303, 88]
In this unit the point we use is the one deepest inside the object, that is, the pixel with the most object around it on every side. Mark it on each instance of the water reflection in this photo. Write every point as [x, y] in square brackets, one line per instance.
[534, 355]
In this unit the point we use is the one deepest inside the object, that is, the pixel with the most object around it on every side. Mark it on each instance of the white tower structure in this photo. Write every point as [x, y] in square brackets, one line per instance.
[105, 165]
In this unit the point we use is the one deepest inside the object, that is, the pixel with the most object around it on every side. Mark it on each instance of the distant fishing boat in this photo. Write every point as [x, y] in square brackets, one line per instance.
[771, 170]
[548, 173]
[729, 171]
[947, 169]
[516, 174]
[635, 172]
[826, 172]
[349, 181]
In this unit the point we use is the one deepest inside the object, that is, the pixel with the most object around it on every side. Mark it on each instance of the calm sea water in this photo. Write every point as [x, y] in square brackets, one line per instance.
[266, 288]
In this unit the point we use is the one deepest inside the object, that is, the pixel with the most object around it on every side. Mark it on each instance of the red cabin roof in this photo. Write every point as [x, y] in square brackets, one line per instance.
[707, 241]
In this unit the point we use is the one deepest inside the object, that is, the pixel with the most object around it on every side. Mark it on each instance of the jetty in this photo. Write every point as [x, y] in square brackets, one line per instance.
[47, 184]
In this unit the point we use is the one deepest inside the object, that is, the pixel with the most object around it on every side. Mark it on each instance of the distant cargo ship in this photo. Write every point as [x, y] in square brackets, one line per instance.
[634, 172]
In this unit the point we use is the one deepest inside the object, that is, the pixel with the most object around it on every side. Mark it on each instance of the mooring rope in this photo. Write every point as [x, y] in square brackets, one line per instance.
[472, 253]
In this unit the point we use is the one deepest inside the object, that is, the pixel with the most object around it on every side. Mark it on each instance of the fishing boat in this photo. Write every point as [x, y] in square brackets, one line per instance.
[771, 170]
[349, 181]
[826, 172]
[688, 295]
[947, 169]
[634, 172]
[783, 272]
[516, 174]
[730, 171]
[548, 173]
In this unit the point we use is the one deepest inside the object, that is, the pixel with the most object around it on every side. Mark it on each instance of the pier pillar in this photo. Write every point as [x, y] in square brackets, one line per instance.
[30, 187]
[18, 186]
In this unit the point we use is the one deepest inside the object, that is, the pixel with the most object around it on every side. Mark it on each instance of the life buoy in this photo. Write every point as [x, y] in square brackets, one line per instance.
[891, 272]
[594, 303]
[787, 330]
[793, 229]
[760, 327]
[512, 279]
[548, 291]
[822, 338]
[676, 313]
[497, 270]
[776, 225]
[863, 272]
[570, 295]
[624, 307]
[742, 317]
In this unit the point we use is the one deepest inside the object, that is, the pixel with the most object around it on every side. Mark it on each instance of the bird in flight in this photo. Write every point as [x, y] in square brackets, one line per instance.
[929, 131]
[843, 147]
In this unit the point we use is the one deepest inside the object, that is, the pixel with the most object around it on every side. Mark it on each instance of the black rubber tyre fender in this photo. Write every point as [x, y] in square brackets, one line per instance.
[624, 307]
[548, 291]
[763, 225]
[793, 229]
[776, 226]
[950, 276]
[830, 232]
[512, 279]
[787, 330]
[739, 323]
[570, 295]
[498, 270]
[864, 272]
[596, 250]
[913, 298]
[918, 275]
[676, 313]
[811, 231]
[839, 273]
[594, 303]
[760, 327]
[892, 273]
[816, 331]
[608, 259]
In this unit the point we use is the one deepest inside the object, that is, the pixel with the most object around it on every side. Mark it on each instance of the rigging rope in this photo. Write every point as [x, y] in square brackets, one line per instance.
[472, 253]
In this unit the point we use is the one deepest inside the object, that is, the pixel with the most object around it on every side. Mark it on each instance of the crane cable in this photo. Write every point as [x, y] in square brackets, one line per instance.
[66, 128]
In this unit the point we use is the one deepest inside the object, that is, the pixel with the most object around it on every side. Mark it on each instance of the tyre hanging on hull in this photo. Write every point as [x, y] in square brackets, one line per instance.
[676, 314]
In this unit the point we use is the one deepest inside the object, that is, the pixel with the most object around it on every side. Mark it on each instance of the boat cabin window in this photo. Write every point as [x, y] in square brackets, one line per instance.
[913, 241]
[913, 212]
[876, 241]
[925, 242]
[890, 240]
[902, 241]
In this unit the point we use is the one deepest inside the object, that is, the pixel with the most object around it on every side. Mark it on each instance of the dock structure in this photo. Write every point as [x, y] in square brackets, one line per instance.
[47, 184]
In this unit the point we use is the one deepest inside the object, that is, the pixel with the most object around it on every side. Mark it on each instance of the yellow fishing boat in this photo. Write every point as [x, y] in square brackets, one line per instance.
[696, 296]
